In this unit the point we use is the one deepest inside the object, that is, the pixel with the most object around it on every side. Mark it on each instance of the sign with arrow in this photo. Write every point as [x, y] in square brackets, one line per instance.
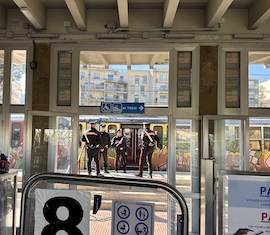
[110, 107]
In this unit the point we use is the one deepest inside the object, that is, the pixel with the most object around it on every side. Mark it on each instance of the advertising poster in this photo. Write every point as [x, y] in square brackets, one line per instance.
[248, 205]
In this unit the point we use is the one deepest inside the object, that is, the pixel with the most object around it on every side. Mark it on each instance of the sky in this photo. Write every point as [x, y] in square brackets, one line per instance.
[258, 71]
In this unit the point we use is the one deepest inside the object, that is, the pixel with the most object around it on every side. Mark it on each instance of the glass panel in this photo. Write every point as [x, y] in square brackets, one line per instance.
[133, 131]
[187, 158]
[259, 144]
[101, 81]
[18, 77]
[51, 146]
[16, 141]
[226, 144]
[259, 79]
[184, 78]
[187, 167]
[232, 74]
[1, 75]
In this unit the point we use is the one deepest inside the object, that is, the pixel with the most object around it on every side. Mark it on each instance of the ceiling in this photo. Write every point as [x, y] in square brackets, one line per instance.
[259, 10]
[258, 13]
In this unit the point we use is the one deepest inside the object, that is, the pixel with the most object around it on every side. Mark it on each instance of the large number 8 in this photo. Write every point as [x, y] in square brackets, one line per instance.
[70, 224]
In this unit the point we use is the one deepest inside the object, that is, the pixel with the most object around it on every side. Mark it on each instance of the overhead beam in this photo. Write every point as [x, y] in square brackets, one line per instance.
[3, 17]
[103, 60]
[259, 12]
[215, 11]
[153, 60]
[78, 11]
[128, 60]
[34, 11]
[169, 11]
[123, 13]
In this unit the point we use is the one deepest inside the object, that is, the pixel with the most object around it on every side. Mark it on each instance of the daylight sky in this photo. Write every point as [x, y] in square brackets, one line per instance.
[258, 71]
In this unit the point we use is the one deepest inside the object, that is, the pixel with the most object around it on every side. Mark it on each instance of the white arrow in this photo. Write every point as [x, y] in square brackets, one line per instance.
[141, 108]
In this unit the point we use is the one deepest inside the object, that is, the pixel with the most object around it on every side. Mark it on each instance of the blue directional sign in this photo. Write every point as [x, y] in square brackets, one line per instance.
[109, 107]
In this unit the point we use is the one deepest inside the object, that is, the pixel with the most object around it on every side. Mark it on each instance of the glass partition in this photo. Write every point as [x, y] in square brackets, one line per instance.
[259, 79]
[51, 144]
[124, 77]
[18, 77]
[259, 144]
[188, 167]
[2, 53]
[8, 192]
[15, 156]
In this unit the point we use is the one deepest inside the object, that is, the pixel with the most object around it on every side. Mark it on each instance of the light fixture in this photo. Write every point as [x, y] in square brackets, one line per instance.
[179, 35]
[248, 36]
[32, 17]
[43, 35]
[112, 36]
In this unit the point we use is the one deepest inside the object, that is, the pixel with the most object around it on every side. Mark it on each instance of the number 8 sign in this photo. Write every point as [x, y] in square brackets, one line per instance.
[61, 212]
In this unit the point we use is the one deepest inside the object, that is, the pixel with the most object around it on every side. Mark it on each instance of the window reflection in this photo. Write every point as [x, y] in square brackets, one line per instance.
[107, 78]
[1, 75]
[18, 77]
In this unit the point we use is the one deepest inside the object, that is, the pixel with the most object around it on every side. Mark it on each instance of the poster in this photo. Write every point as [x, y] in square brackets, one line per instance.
[248, 204]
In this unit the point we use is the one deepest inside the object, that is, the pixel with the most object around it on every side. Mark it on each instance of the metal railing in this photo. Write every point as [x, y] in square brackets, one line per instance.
[141, 185]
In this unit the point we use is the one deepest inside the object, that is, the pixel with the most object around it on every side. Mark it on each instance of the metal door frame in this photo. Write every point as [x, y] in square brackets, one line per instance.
[28, 140]
[209, 220]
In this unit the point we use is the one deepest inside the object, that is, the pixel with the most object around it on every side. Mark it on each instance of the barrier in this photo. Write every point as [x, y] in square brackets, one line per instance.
[120, 206]
[8, 192]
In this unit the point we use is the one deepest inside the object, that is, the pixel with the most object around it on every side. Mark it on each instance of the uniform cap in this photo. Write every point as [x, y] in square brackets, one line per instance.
[102, 124]
[93, 122]
[146, 124]
[120, 130]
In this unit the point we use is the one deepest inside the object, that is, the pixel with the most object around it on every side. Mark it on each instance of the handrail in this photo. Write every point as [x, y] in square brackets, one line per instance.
[90, 180]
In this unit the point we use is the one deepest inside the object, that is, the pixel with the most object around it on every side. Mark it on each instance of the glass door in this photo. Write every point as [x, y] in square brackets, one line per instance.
[225, 141]
[225, 147]
[52, 143]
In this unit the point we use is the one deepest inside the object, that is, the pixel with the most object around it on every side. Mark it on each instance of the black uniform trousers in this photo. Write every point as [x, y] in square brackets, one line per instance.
[104, 154]
[93, 153]
[119, 153]
[146, 156]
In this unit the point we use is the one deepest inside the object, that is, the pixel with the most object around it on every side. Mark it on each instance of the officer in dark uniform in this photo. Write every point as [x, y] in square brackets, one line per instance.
[120, 145]
[149, 138]
[92, 141]
[105, 144]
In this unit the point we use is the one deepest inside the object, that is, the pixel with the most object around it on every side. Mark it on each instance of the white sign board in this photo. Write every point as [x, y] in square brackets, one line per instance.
[132, 218]
[61, 212]
[248, 205]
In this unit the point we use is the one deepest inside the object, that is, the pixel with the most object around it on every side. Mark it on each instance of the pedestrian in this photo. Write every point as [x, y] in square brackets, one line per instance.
[105, 144]
[149, 139]
[92, 141]
[4, 164]
[120, 145]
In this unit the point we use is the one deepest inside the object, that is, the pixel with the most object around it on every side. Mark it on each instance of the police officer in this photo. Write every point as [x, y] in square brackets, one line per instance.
[120, 145]
[149, 138]
[92, 141]
[105, 144]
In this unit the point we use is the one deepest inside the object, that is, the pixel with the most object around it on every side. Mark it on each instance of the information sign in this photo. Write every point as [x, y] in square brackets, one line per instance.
[248, 205]
[136, 218]
[109, 107]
